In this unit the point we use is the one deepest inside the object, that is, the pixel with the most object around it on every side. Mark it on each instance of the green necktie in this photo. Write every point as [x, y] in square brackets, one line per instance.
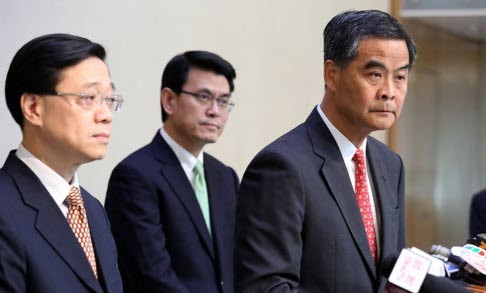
[202, 193]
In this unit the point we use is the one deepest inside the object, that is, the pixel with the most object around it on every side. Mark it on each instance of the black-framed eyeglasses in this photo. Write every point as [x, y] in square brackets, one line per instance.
[206, 99]
[89, 100]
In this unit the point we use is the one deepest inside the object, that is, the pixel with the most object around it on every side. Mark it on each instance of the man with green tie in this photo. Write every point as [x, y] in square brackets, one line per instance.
[171, 205]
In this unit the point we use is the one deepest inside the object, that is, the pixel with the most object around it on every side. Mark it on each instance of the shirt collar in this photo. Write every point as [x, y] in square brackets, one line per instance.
[55, 184]
[346, 147]
[187, 160]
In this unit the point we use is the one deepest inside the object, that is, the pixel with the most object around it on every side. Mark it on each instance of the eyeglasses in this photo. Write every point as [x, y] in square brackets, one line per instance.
[224, 103]
[89, 100]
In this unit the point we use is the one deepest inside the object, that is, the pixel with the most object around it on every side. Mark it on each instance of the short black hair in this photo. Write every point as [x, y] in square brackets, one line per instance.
[177, 70]
[345, 31]
[36, 68]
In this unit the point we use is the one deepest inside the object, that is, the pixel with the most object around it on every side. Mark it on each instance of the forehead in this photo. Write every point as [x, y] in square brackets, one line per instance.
[394, 51]
[204, 79]
[89, 72]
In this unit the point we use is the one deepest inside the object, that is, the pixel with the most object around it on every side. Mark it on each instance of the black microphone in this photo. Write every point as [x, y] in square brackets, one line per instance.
[431, 284]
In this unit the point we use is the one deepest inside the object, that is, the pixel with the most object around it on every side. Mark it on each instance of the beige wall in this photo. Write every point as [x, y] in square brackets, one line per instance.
[275, 46]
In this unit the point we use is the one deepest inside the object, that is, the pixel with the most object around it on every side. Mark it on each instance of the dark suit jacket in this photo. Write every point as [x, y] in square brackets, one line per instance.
[38, 250]
[477, 215]
[298, 226]
[164, 244]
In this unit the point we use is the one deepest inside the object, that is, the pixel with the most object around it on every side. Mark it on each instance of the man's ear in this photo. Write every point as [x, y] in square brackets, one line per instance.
[168, 100]
[331, 74]
[31, 105]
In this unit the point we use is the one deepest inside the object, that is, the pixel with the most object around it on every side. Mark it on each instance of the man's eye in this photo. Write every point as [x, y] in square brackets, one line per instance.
[204, 97]
[223, 102]
[89, 98]
[110, 100]
[375, 74]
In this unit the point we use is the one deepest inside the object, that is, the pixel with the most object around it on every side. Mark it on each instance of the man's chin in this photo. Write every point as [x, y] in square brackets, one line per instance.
[210, 139]
[211, 136]
[96, 156]
[384, 124]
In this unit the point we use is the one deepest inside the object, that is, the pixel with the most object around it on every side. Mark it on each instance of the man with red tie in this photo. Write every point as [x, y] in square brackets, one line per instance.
[321, 206]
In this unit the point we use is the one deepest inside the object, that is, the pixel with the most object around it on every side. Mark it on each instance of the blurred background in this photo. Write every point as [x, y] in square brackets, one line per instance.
[276, 48]
[441, 134]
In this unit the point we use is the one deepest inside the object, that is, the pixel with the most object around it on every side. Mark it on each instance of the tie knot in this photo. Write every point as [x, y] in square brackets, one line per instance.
[358, 157]
[74, 197]
[199, 169]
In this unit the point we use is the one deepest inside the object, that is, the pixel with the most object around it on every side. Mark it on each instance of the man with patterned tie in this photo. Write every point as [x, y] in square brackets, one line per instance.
[171, 205]
[55, 236]
[320, 207]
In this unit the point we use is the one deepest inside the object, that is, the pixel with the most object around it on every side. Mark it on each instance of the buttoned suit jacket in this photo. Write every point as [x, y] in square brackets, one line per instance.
[164, 244]
[38, 249]
[299, 228]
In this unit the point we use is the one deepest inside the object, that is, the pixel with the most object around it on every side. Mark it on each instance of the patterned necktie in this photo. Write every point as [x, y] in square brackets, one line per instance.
[362, 196]
[202, 193]
[79, 223]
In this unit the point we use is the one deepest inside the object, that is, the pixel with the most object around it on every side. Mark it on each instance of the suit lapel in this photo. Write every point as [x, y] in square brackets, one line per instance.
[50, 221]
[337, 177]
[386, 201]
[98, 236]
[216, 189]
[174, 174]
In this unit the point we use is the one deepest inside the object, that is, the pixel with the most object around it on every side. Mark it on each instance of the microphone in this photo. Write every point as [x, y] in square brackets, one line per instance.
[386, 267]
[453, 263]
[431, 284]
[469, 269]
[446, 254]
[478, 240]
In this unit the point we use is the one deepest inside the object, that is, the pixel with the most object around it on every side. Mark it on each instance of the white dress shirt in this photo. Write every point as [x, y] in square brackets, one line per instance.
[55, 184]
[187, 160]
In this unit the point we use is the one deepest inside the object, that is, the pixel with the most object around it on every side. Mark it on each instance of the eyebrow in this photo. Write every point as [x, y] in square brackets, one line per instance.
[90, 84]
[228, 94]
[374, 63]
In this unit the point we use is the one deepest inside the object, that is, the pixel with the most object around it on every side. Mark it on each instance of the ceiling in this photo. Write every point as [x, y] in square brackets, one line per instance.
[472, 27]
[466, 18]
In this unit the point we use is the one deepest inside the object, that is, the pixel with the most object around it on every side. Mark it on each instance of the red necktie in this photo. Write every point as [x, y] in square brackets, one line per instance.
[79, 223]
[363, 198]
